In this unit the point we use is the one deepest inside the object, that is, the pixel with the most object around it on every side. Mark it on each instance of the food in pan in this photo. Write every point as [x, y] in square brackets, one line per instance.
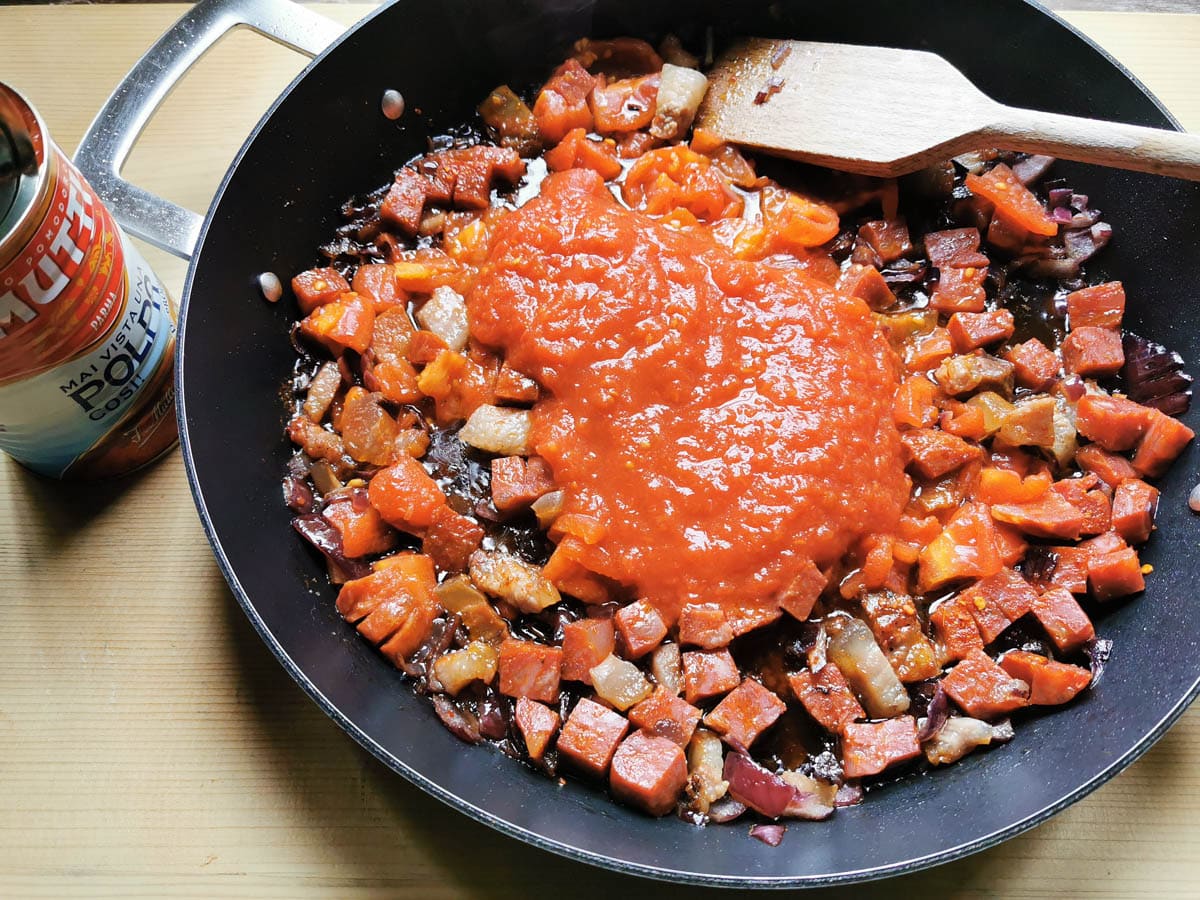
[734, 486]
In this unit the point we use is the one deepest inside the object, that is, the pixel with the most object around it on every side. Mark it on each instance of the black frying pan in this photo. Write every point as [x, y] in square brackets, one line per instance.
[326, 139]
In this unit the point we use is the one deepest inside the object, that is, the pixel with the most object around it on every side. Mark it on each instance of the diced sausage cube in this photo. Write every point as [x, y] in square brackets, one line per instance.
[1092, 352]
[997, 601]
[1108, 467]
[933, 453]
[1112, 422]
[870, 747]
[827, 697]
[1063, 619]
[529, 669]
[1163, 440]
[1134, 504]
[983, 689]
[802, 593]
[666, 715]
[708, 673]
[517, 482]
[586, 643]
[1050, 682]
[590, 737]
[641, 628]
[956, 628]
[745, 713]
[704, 625]
[1034, 364]
[1101, 306]
[1115, 574]
[648, 772]
[537, 724]
[970, 331]
[316, 287]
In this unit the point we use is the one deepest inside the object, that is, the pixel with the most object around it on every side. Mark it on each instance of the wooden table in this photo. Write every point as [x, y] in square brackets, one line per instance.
[151, 746]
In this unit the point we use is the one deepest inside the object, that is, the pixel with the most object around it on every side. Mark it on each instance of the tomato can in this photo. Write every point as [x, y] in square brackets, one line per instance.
[87, 331]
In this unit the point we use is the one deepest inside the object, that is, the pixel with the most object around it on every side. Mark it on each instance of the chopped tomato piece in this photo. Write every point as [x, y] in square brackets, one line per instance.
[671, 178]
[451, 539]
[934, 453]
[970, 331]
[363, 531]
[1034, 364]
[624, 105]
[916, 402]
[562, 104]
[666, 715]
[586, 643]
[956, 629]
[1110, 468]
[590, 736]
[803, 591]
[827, 697]
[424, 271]
[641, 628]
[397, 381]
[416, 630]
[529, 669]
[745, 713]
[1050, 682]
[648, 772]
[795, 222]
[1013, 200]
[316, 287]
[408, 575]
[1112, 422]
[1115, 574]
[577, 151]
[1007, 486]
[1163, 440]
[405, 495]
[1102, 306]
[983, 689]
[392, 334]
[966, 548]
[708, 673]
[870, 747]
[565, 573]
[341, 324]
[1134, 504]
[1063, 619]
[704, 625]
[517, 481]
[1092, 352]
[1050, 516]
[537, 723]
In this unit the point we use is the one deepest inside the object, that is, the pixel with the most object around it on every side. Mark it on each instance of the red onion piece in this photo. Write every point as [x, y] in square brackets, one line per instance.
[1073, 388]
[319, 532]
[1098, 651]
[460, 722]
[1060, 196]
[771, 835]
[493, 722]
[936, 716]
[1039, 564]
[1061, 215]
[1031, 168]
[1154, 375]
[751, 784]
[849, 794]
[298, 495]
[725, 810]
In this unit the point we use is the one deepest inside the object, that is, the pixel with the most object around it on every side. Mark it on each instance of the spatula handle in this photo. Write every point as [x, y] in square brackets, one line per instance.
[1134, 147]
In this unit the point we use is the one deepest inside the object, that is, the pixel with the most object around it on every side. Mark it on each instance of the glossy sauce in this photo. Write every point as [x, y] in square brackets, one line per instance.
[724, 420]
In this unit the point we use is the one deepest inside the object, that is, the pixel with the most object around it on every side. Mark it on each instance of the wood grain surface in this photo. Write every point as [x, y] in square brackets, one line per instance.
[150, 746]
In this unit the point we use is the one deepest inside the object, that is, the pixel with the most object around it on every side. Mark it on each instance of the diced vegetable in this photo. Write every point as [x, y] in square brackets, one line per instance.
[457, 595]
[363, 531]
[983, 689]
[341, 324]
[827, 697]
[666, 667]
[1013, 200]
[445, 314]
[458, 668]
[619, 682]
[870, 747]
[578, 151]
[966, 548]
[706, 765]
[708, 673]
[590, 737]
[1050, 682]
[853, 650]
[666, 715]
[529, 669]
[648, 772]
[498, 430]
[745, 713]
[761, 790]
[316, 287]
[405, 495]
[641, 628]
[537, 724]
[512, 580]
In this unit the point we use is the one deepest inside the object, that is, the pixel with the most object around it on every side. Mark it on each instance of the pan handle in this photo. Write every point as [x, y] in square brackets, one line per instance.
[111, 136]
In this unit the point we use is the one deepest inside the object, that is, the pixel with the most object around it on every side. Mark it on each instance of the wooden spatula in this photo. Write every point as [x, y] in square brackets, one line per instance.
[880, 111]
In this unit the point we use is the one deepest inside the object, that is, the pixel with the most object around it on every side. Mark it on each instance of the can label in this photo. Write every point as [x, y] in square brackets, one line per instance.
[85, 330]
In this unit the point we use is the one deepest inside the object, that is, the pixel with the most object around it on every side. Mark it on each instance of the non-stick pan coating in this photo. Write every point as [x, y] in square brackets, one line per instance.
[326, 139]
